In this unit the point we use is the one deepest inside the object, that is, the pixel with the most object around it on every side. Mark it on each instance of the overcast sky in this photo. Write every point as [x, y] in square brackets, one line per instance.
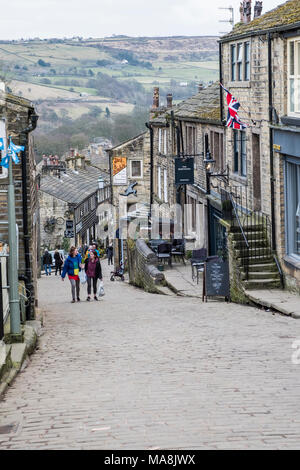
[99, 18]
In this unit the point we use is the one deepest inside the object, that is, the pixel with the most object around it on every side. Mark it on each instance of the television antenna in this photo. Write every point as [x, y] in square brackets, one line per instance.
[231, 19]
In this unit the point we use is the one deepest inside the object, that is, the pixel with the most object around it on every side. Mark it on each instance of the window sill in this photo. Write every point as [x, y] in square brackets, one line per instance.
[241, 84]
[292, 261]
[291, 120]
[239, 178]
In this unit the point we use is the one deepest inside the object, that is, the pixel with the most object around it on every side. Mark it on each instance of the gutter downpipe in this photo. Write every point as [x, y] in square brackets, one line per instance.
[150, 127]
[26, 237]
[221, 81]
[270, 83]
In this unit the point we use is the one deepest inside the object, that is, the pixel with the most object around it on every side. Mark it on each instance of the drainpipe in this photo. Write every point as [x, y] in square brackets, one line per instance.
[149, 126]
[221, 81]
[26, 237]
[272, 180]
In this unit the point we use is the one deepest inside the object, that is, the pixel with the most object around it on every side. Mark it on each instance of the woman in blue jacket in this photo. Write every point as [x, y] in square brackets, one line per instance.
[72, 268]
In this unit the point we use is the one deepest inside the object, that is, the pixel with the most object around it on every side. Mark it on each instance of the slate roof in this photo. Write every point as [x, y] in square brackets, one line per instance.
[73, 187]
[204, 106]
[284, 15]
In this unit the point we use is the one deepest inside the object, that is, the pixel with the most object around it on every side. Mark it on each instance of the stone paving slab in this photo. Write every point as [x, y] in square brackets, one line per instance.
[144, 371]
[180, 277]
[283, 301]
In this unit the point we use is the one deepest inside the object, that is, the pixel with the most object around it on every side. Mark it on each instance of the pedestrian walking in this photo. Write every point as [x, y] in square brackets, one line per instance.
[72, 268]
[109, 253]
[47, 262]
[95, 249]
[93, 272]
[58, 262]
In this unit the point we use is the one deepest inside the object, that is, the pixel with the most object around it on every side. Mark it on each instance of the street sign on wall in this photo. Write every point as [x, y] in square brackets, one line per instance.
[184, 171]
[119, 170]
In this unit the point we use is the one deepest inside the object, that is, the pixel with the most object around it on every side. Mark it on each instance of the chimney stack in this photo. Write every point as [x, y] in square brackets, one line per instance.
[169, 100]
[245, 11]
[258, 9]
[155, 98]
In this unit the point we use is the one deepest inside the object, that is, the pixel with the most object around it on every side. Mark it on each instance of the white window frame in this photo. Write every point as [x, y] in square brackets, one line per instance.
[239, 53]
[141, 174]
[295, 77]
[165, 185]
[159, 139]
[159, 182]
[165, 134]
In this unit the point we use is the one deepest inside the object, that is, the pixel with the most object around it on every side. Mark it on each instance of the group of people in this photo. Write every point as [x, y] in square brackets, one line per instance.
[86, 259]
[48, 261]
[92, 267]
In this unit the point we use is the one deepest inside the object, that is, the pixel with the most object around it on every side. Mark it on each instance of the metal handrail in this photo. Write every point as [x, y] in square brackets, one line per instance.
[279, 270]
[238, 219]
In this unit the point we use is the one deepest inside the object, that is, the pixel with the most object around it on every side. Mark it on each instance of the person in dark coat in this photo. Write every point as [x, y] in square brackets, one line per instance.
[58, 262]
[47, 262]
[110, 252]
[93, 272]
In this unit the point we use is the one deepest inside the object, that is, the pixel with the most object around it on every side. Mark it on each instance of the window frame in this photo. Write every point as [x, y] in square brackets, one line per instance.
[295, 76]
[239, 166]
[141, 168]
[290, 223]
[240, 70]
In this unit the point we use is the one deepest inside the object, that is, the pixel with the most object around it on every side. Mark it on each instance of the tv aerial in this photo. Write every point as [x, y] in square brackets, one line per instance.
[231, 19]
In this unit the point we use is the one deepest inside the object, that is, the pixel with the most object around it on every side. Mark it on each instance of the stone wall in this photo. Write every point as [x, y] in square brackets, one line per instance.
[51, 206]
[137, 148]
[142, 268]
[16, 112]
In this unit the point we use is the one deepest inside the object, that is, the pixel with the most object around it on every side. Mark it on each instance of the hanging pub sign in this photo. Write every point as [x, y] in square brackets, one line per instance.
[184, 171]
[119, 170]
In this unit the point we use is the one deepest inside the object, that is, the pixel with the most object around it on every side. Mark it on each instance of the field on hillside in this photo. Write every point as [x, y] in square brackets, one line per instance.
[70, 79]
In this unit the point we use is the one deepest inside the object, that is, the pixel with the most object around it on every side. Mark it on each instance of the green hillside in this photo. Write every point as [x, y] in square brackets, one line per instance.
[68, 79]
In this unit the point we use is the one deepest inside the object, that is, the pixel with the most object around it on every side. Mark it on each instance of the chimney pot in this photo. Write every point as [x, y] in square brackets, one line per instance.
[155, 97]
[169, 100]
[258, 9]
[245, 11]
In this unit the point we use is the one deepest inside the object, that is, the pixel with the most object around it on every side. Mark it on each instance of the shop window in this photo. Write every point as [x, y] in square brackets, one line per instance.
[293, 207]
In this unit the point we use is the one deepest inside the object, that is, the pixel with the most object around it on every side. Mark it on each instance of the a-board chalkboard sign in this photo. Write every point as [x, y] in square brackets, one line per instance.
[216, 278]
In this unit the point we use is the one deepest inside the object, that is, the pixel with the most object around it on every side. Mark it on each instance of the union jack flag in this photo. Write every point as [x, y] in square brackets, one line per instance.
[233, 119]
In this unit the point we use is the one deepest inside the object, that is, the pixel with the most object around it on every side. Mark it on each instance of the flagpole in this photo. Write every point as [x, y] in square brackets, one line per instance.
[14, 299]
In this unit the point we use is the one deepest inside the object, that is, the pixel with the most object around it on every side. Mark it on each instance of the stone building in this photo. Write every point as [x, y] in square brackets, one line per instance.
[18, 120]
[71, 195]
[260, 67]
[130, 198]
[188, 131]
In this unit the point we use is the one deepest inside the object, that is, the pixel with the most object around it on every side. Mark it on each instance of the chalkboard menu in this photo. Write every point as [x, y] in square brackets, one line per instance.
[216, 278]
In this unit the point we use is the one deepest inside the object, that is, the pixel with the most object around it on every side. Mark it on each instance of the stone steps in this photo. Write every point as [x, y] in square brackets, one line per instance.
[262, 284]
[261, 275]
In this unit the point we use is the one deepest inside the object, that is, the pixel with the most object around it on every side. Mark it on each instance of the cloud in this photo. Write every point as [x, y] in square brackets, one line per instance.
[98, 18]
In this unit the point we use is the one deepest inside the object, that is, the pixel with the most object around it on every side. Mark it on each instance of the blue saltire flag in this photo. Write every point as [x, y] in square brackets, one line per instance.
[12, 152]
[5, 161]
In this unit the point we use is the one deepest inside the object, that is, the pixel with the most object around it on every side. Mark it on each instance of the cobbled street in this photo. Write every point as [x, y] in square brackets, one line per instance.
[143, 371]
